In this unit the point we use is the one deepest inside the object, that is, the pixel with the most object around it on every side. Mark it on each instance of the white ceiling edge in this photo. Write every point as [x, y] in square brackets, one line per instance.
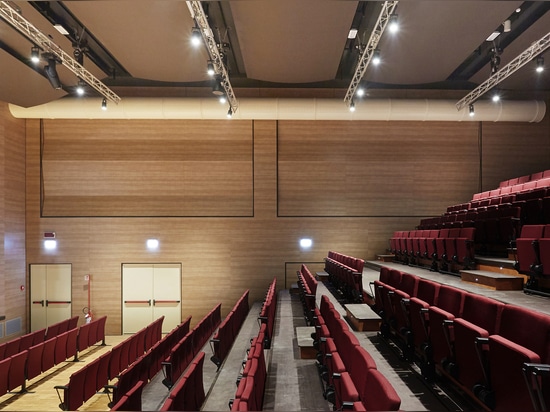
[286, 109]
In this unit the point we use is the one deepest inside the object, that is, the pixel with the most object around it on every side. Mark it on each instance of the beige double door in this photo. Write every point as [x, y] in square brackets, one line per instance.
[50, 294]
[148, 292]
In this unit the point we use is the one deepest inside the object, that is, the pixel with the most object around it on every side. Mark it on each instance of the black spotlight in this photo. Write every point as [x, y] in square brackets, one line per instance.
[51, 74]
[217, 88]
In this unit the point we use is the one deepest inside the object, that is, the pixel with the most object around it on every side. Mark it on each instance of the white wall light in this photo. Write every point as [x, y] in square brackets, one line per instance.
[50, 244]
[306, 243]
[152, 244]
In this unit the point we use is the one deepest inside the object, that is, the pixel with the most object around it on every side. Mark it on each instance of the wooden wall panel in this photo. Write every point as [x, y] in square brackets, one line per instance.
[338, 168]
[169, 168]
[387, 185]
[512, 150]
[12, 218]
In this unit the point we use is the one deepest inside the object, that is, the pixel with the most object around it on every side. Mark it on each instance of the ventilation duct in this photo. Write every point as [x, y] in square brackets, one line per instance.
[287, 109]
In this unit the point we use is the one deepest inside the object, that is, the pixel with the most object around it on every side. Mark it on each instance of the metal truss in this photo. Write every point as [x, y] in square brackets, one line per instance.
[197, 13]
[387, 9]
[12, 17]
[521, 60]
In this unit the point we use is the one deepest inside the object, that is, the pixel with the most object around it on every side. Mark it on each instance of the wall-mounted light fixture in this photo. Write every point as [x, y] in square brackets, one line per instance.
[152, 244]
[50, 243]
[306, 243]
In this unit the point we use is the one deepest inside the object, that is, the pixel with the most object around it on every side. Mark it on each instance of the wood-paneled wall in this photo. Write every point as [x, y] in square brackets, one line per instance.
[375, 169]
[346, 185]
[12, 219]
[147, 168]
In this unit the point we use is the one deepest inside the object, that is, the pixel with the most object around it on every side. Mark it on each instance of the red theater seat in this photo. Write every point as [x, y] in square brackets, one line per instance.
[480, 318]
[34, 362]
[16, 375]
[48, 355]
[4, 373]
[524, 336]
[378, 393]
[73, 392]
[449, 305]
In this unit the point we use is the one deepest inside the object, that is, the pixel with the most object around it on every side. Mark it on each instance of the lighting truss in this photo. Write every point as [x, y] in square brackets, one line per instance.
[197, 13]
[387, 10]
[12, 17]
[521, 60]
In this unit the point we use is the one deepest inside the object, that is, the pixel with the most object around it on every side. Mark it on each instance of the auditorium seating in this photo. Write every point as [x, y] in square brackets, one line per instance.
[496, 353]
[251, 382]
[523, 337]
[131, 401]
[532, 253]
[183, 351]
[267, 312]
[307, 287]
[444, 247]
[497, 216]
[188, 393]
[228, 330]
[94, 376]
[32, 354]
[348, 367]
[346, 273]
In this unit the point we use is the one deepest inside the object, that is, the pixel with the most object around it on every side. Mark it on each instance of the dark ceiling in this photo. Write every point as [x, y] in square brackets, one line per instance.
[274, 47]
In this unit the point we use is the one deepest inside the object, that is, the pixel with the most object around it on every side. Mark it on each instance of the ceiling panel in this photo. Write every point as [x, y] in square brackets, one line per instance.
[292, 41]
[434, 38]
[149, 38]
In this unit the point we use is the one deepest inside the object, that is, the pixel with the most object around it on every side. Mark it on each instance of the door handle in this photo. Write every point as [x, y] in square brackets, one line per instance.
[139, 301]
[36, 302]
[57, 302]
[165, 301]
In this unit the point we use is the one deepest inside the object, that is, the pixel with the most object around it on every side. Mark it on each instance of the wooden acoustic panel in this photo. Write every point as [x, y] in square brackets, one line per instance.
[147, 168]
[339, 168]
[12, 219]
[514, 149]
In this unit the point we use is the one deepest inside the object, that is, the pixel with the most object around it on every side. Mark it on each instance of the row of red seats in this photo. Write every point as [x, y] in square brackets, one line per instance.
[85, 382]
[185, 349]
[352, 378]
[24, 342]
[188, 392]
[132, 380]
[143, 362]
[307, 286]
[533, 254]
[525, 178]
[229, 328]
[249, 395]
[267, 312]
[479, 343]
[442, 246]
[346, 274]
[495, 225]
[60, 345]
[534, 204]
[131, 400]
